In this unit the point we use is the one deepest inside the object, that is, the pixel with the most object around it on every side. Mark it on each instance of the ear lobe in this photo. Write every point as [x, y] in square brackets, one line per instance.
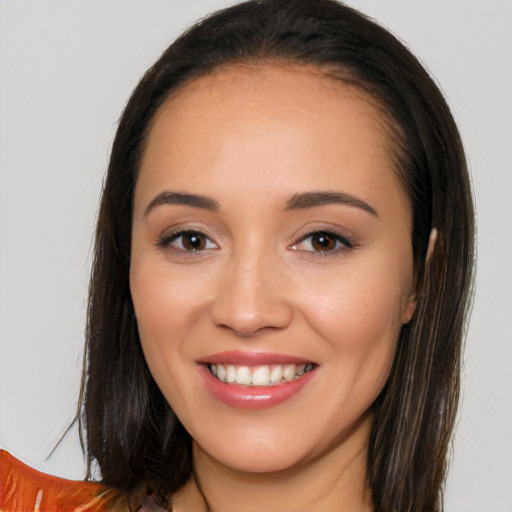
[410, 308]
[412, 301]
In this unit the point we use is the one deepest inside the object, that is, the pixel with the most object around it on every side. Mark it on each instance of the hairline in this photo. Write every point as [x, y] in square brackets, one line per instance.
[336, 73]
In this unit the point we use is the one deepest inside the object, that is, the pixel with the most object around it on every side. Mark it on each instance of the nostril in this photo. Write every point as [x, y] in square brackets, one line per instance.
[249, 331]
[249, 317]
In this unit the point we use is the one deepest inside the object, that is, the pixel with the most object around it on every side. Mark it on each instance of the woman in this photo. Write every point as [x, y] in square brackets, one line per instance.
[282, 268]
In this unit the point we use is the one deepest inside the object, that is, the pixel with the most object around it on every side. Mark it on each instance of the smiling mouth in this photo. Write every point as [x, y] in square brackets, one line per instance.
[262, 375]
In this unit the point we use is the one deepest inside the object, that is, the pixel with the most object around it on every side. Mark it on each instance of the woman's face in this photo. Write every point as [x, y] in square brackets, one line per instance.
[271, 247]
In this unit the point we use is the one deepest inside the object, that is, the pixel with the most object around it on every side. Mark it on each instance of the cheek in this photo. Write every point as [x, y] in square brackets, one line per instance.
[158, 309]
[168, 306]
[359, 314]
[165, 302]
[361, 326]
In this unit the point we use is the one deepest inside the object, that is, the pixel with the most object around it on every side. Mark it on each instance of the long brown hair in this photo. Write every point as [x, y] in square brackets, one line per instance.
[130, 429]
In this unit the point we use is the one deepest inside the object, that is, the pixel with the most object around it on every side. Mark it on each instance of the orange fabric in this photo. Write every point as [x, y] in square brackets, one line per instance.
[23, 489]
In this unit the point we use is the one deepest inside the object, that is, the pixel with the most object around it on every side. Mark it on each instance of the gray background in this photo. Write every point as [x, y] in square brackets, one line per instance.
[66, 70]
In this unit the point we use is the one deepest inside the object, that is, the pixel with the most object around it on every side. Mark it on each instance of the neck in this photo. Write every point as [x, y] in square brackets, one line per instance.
[333, 480]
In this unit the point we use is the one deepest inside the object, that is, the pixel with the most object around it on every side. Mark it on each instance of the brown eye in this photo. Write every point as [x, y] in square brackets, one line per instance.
[323, 242]
[187, 241]
[193, 242]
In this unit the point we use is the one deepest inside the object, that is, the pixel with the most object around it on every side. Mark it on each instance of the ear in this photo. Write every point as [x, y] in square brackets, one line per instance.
[412, 301]
[431, 244]
[410, 308]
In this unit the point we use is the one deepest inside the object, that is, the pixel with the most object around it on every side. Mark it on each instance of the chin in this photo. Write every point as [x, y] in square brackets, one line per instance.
[265, 451]
[259, 462]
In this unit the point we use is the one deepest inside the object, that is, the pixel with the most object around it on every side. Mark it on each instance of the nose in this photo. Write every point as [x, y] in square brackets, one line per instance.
[251, 297]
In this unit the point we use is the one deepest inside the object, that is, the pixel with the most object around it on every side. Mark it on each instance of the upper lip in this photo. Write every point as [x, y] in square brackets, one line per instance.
[237, 357]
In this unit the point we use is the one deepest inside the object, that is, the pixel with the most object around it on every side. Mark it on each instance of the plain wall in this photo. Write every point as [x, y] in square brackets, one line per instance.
[66, 70]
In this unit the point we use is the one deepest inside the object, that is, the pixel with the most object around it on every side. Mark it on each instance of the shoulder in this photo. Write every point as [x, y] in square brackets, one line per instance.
[23, 489]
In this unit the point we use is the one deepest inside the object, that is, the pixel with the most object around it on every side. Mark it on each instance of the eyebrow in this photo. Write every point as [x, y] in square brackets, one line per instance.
[299, 201]
[312, 199]
[193, 200]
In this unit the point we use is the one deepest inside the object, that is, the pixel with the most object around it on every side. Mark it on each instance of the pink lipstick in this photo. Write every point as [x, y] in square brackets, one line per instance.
[255, 380]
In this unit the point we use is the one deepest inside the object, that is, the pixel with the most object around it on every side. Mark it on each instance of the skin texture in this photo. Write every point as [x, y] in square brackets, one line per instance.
[250, 138]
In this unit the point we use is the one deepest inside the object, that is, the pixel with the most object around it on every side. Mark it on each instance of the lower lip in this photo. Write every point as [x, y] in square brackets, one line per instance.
[255, 397]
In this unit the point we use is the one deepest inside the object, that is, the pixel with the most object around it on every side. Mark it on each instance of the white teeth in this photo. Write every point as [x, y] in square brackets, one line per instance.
[289, 372]
[243, 376]
[221, 372]
[230, 373]
[261, 376]
[264, 375]
[277, 374]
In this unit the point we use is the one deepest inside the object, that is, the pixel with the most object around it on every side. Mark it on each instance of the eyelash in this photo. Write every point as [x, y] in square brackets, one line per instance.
[342, 243]
[166, 240]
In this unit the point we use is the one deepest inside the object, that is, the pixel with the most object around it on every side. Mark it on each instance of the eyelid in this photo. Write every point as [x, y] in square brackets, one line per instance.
[346, 241]
[167, 237]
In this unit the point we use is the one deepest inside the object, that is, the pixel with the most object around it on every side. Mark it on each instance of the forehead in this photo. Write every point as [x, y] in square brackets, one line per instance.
[296, 125]
[267, 90]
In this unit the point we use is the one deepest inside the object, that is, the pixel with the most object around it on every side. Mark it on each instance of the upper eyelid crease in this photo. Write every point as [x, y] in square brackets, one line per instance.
[346, 241]
[172, 235]
[166, 239]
